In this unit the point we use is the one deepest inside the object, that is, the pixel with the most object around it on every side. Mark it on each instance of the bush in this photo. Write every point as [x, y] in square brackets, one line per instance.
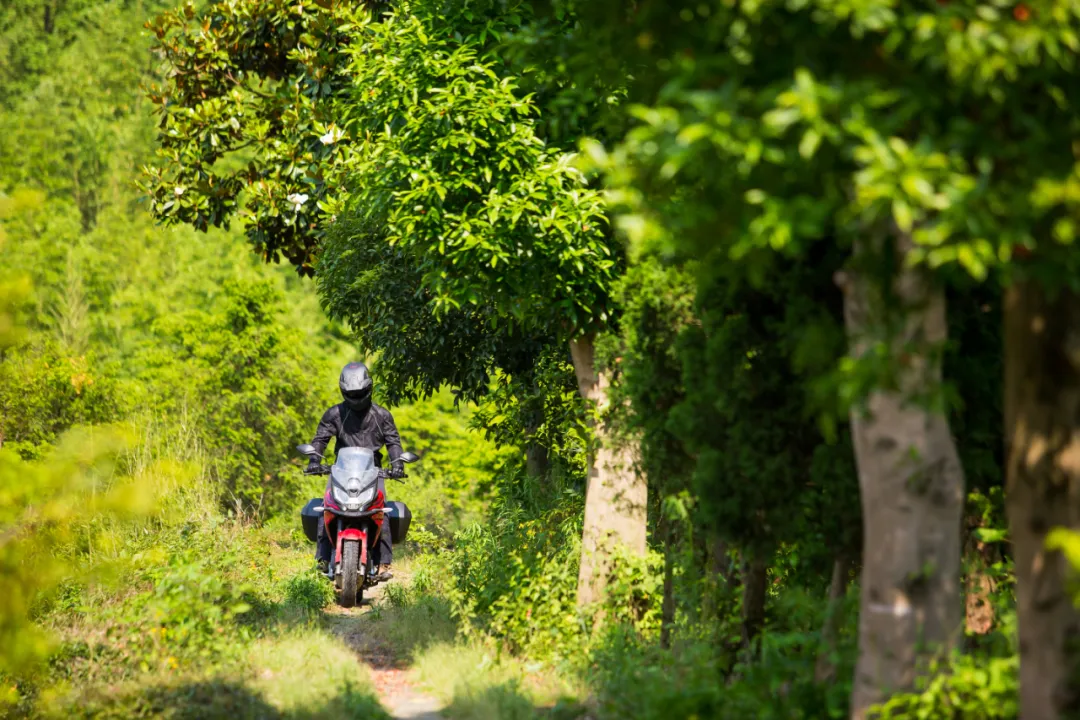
[44, 392]
[971, 687]
[189, 614]
[308, 592]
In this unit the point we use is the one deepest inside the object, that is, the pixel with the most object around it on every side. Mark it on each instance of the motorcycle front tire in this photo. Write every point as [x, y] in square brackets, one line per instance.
[350, 573]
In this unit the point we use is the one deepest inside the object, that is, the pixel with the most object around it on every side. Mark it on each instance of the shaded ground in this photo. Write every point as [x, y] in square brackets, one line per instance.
[389, 670]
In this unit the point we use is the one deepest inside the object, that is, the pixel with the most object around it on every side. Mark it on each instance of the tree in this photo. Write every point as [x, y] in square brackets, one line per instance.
[921, 137]
[254, 394]
[418, 127]
[450, 167]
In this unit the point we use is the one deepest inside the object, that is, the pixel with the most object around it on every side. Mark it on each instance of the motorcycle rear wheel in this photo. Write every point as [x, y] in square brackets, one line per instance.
[350, 571]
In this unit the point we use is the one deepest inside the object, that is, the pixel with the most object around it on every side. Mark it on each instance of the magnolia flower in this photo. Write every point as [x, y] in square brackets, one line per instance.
[179, 190]
[297, 200]
[332, 136]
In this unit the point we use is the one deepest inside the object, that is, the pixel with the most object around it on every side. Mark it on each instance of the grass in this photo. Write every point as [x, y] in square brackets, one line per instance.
[170, 648]
[465, 671]
[209, 617]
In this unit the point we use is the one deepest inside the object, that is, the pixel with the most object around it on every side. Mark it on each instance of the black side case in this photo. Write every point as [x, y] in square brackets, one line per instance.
[310, 518]
[400, 518]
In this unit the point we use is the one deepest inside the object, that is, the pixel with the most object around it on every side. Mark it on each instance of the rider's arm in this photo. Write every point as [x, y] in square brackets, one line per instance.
[390, 439]
[328, 428]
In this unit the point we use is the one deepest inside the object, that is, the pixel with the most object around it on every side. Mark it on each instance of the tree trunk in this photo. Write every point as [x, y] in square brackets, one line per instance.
[911, 485]
[755, 587]
[667, 609]
[825, 670]
[1042, 418]
[719, 576]
[616, 493]
[536, 460]
[537, 463]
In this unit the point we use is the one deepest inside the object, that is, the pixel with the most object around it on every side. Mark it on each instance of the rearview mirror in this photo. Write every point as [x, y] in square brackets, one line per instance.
[308, 450]
[409, 457]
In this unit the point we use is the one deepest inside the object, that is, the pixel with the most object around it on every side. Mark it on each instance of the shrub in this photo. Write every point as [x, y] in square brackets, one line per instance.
[308, 591]
[970, 687]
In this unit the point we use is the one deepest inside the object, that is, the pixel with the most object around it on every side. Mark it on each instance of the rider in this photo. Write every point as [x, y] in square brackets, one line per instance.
[358, 422]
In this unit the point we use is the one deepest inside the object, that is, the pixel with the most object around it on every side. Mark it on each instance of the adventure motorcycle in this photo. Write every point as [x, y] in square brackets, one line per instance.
[354, 513]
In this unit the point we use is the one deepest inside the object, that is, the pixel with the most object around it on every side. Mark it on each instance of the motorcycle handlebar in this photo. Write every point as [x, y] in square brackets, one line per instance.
[325, 470]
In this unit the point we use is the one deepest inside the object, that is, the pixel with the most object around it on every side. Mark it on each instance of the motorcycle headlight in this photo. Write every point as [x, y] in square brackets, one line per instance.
[367, 496]
[341, 494]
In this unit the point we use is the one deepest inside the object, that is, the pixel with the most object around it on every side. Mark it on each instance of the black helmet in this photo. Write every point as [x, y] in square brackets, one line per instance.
[356, 386]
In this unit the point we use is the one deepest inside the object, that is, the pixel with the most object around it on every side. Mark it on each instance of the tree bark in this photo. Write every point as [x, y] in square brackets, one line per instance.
[1042, 417]
[825, 670]
[755, 587]
[536, 460]
[719, 570]
[616, 493]
[911, 484]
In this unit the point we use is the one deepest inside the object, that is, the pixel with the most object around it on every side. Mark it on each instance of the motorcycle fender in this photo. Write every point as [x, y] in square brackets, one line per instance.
[352, 534]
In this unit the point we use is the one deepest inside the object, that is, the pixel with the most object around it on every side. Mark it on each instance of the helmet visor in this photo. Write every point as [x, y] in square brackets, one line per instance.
[358, 394]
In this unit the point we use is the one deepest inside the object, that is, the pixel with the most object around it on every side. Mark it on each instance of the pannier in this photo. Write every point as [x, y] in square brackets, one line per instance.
[400, 518]
[309, 517]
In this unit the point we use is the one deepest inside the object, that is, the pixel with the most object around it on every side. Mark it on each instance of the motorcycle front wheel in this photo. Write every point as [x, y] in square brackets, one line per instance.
[350, 572]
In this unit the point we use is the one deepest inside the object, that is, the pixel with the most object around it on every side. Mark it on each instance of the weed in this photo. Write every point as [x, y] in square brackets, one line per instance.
[308, 592]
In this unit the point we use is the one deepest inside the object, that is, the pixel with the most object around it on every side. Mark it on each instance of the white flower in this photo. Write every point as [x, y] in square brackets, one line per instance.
[179, 190]
[332, 136]
[297, 200]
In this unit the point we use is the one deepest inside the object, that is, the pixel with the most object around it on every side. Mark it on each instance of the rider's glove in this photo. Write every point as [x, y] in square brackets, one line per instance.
[397, 469]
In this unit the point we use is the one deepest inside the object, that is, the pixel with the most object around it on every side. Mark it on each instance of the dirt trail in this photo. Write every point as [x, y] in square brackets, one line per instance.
[389, 673]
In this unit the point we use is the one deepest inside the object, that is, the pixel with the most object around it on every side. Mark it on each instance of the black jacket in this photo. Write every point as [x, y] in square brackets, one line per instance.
[371, 430]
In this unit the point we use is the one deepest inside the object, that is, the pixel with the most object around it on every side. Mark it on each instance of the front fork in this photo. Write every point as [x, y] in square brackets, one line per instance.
[353, 534]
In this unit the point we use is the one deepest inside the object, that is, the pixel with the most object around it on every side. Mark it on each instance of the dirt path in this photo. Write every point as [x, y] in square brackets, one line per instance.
[389, 673]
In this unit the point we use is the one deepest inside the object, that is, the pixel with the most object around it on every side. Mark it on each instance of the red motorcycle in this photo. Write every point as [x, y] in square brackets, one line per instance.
[354, 513]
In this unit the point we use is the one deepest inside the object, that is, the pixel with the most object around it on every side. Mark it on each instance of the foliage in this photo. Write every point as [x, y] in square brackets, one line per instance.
[540, 408]
[462, 170]
[449, 164]
[255, 394]
[764, 471]
[518, 576]
[43, 505]
[417, 160]
[378, 291]
[450, 484]
[970, 687]
[657, 308]
[186, 615]
[309, 592]
[43, 393]
[244, 108]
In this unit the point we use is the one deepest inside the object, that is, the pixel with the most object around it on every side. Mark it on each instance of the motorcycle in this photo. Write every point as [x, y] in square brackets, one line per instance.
[354, 513]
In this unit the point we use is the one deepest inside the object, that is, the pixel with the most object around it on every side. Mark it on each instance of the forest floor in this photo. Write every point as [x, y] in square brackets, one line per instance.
[390, 671]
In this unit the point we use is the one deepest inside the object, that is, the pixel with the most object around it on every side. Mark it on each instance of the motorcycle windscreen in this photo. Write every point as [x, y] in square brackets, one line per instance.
[354, 461]
[354, 477]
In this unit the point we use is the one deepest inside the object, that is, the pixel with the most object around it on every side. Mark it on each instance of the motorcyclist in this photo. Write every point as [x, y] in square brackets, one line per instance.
[358, 422]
